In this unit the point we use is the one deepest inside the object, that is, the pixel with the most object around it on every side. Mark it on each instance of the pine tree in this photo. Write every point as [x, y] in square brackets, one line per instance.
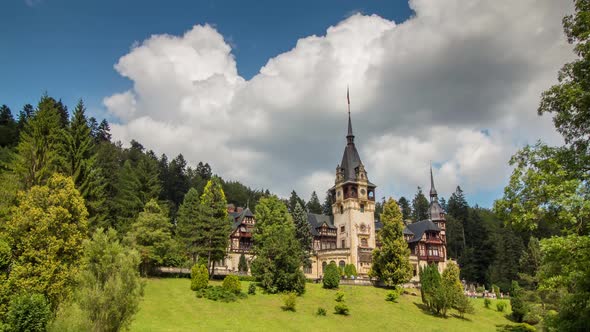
[314, 206]
[188, 222]
[429, 283]
[24, 115]
[327, 206]
[128, 200]
[293, 200]
[148, 177]
[243, 264]
[302, 229]
[406, 208]
[40, 144]
[213, 224]
[278, 254]
[391, 262]
[420, 206]
[104, 132]
[8, 127]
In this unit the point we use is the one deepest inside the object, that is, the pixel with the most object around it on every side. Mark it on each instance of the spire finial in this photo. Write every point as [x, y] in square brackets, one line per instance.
[350, 136]
[433, 193]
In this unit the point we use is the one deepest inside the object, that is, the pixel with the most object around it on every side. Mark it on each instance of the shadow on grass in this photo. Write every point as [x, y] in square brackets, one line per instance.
[461, 318]
[424, 308]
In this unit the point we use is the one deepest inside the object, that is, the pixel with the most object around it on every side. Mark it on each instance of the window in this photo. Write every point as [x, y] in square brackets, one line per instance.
[333, 262]
[362, 207]
[343, 243]
[363, 228]
[415, 268]
[341, 265]
[341, 229]
[307, 269]
[324, 267]
[364, 242]
[341, 209]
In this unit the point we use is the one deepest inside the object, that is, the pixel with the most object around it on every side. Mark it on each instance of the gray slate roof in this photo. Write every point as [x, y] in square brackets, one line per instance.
[418, 229]
[238, 217]
[316, 220]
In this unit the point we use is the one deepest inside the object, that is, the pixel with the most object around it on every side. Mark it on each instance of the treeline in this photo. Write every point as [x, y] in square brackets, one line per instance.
[72, 200]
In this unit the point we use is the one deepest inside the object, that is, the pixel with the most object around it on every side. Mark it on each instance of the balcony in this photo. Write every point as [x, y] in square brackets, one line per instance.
[431, 258]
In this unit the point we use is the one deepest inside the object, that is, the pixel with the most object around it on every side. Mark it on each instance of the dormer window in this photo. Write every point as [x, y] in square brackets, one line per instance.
[362, 208]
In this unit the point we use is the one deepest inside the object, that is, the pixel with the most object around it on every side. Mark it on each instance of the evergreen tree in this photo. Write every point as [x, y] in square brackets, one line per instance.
[8, 127]
[104, 132]
[391, 262]
[243, 264]
[150, 235]
[429, 283]
[278, 256]
[457, 206]
[148, 177]
[93, 125]
[443, 203]
[50, 222]
[455, 239]
[327, 206]
[128, 200]
[62, 111]
[40, 145]
[529, 263]
[302, 229]
[404, 205]
[420, 206]
[314, 206]
[204, 171]
[214, 227]
[24, 115]
[509, 249]
[293, 200]
[187, 227]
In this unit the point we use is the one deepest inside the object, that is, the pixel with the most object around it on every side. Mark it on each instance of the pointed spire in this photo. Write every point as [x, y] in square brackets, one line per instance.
[433, 193]
[350, 136]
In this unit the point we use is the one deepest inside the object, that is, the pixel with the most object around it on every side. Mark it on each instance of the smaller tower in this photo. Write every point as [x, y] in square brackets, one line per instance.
[435, 211]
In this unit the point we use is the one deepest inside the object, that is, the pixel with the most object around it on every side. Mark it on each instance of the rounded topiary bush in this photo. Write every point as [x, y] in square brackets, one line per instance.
[199, 277]
[28, 312]
[331, 277]
[232, 284]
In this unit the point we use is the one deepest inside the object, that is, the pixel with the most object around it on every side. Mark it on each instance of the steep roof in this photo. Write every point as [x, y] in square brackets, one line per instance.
[435, 210]
[317, 220]
[238, 217]
[418, 229]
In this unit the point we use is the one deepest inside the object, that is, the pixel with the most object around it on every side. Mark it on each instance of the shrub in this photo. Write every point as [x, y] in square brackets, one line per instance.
[500, 306]
[218, 293]
[533, 316]
[252, 289]
[487, 302]
[28, 312]
[341, 309]
[232, 284]
[480, 289]
[199, 277]
[290, 301]
[331, 277]
[320, 312]
[463, 306]
[519, 308]
[350, 270]
[496, 290]
[523, 327]
[393, 295]
[339, 297]
[243, 264]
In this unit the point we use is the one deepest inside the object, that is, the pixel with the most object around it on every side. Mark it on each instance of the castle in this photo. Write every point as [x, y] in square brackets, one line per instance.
[348, 236]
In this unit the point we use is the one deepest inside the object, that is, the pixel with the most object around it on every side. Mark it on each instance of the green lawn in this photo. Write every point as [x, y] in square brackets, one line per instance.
[169, 305]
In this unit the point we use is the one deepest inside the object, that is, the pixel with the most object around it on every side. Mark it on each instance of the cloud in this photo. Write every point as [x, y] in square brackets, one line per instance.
[456, 84]
[33, 3]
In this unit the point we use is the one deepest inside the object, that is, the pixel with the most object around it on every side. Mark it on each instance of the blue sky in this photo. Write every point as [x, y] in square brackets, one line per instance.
[246, 87]
[69, 47]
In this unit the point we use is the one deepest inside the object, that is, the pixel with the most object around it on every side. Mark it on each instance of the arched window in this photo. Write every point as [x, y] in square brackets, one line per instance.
[341, 264]
[364, 242]
[333, 262]
[341, 209]
[324, 267]
[363, 228]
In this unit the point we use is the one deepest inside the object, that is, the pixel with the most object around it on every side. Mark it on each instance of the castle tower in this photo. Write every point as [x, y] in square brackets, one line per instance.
[353, 207]
[435, 211]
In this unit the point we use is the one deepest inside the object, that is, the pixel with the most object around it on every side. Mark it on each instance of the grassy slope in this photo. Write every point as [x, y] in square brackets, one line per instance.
[169, 305]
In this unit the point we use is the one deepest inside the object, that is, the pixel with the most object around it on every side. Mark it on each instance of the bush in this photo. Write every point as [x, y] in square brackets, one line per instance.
[487, 302]
[28, 312]
[320, 312]
[500, 306]
[199, 277]
[533, 316]
[339, 297]
[463, 306]
[519, 308]
[350, 270]
[523, 327]
[480, 289]
[232, 284]
[252, 289]
[496, 290]
[218, 293]
[290, 301]
[243, 264]
[331, 277]
[341, 309]
[393, 295]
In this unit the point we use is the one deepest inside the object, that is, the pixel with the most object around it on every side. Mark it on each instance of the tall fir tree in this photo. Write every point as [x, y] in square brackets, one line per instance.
[327, 206]
[213, 224]
[187, 222]
[406, 208]
[24, 115]
[8, 128]
[40, 144]
[104, 132]
[314, 205]
[293, 200]
[128, 199]
[420, 206]
[302, 229]
[391, 262]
